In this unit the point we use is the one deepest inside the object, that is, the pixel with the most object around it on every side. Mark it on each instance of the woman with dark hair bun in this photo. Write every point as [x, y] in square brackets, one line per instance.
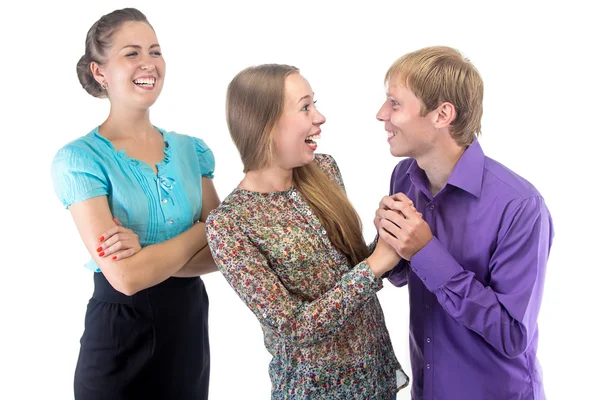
[139, 196]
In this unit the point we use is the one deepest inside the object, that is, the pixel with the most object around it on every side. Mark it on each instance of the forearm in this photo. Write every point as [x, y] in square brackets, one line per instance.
[200, 264]
[505, 320]
[156, 263]
[479, 309]
[294, 319]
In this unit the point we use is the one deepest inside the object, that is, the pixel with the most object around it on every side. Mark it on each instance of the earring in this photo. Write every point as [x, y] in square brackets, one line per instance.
[103, 85]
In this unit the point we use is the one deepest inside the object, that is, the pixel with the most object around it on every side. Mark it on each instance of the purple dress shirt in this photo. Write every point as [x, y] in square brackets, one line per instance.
[476, 288]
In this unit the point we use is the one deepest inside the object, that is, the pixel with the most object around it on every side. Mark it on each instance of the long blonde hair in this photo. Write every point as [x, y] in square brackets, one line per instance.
[255, 102]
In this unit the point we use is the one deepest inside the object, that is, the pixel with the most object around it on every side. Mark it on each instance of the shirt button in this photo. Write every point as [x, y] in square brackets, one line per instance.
[428, 366]
[431, 207]
[164, 201]
[427, 306]
[324, 232]
[428, 340]
[293, 194]
[171, 220]
[309, 213]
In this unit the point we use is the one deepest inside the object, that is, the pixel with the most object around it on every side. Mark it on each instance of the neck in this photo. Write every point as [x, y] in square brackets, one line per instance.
[122, 123]
[439, 164]
[271, 179]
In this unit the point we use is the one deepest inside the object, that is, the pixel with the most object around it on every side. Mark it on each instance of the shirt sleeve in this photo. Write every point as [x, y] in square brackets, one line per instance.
[206, 158]
[303, 322]
[504, 312]
[328, 164]
[76, 176]
[398, 276]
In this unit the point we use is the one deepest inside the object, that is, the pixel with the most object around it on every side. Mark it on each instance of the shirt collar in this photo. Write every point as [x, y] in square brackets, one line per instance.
[467, 174]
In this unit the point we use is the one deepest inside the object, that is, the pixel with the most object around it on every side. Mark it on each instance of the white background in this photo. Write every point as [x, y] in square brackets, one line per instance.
[541, 120]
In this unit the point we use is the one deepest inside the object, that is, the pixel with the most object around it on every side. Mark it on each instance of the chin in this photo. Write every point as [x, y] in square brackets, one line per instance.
[305, 161]
[311, 157]
[145, 104]
[398, 152]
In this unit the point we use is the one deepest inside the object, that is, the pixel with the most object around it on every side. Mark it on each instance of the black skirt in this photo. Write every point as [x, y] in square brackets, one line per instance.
[152, 345]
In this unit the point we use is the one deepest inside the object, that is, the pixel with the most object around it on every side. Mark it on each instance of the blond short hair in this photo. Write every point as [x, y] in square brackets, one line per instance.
[442, 74]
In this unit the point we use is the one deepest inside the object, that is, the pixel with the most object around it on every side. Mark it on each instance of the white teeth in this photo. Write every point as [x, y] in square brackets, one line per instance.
[390, 134]
[314, 137]
[145, 81]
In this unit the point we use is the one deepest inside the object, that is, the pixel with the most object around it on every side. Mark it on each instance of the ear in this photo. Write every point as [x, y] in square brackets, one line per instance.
[444, 115]
[97, 72]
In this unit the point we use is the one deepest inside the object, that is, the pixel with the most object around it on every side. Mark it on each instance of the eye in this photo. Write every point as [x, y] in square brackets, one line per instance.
[305, 108]
[132, 54]
[394, 103]
[157, 53]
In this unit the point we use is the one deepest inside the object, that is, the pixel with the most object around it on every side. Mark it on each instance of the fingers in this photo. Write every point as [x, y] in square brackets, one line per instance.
[385, 236]
[376, 222]
[390, 237]
[393, 216]
[118, 241]
[108, 233]
[397, 202]
[403, 198]
[391, 228]
[122, 248]
[111, 232]
[116, 221]
[118, 245]
[387, 203]
[125, 253]
[409, 211]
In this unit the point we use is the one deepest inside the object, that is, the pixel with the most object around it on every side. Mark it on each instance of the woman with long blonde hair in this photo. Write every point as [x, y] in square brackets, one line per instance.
[290, 244]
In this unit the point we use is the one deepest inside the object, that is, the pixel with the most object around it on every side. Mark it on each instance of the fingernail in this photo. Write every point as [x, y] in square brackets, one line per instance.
[101, 239]
[101, 254]
[114, 257]
[99, 249]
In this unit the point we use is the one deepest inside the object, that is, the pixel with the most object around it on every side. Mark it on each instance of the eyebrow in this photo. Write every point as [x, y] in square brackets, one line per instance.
[135, 46]
[304, 97]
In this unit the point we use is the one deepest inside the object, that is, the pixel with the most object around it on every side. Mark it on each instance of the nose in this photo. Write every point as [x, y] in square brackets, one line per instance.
[383, 113]
[319, 118]
[147, 64]
[147, 67]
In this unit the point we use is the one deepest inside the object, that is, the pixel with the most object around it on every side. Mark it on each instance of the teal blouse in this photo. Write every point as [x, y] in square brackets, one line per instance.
[156, 207]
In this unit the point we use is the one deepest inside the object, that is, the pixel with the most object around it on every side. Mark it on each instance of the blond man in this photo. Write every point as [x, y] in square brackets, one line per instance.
[475, 261]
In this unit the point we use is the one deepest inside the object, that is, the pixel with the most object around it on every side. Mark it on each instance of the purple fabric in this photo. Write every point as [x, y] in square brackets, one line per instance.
[476, 287]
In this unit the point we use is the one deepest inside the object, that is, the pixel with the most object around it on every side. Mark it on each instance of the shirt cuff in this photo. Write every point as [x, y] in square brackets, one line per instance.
[434, 265]
[396, 274]
[365, 279]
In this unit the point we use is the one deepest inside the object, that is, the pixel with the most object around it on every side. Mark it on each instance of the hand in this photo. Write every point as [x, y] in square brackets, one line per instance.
[119, 242]
[402, 226]
[386, 203]
[383, 259]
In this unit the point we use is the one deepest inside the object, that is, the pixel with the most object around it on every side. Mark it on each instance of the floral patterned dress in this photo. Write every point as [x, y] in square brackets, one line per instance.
[321, 318]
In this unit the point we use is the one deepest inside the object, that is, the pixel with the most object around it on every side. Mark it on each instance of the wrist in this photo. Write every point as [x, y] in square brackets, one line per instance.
[376, 265]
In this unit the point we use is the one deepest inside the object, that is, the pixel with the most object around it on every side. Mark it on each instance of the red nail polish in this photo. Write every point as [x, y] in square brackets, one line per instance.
[101, 254]
[114, 257]
[99, 249]
[101, 239]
